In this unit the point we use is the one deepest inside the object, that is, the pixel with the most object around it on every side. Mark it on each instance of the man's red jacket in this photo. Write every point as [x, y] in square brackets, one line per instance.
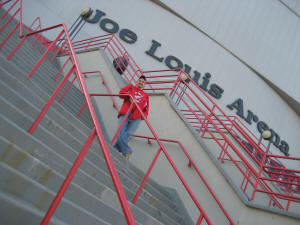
[141, 98]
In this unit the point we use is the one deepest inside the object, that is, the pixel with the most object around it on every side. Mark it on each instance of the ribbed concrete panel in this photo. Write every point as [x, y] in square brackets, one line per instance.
[264, 34]
[293, 5]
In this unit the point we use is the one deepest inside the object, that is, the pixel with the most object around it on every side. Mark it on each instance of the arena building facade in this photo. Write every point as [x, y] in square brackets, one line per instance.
[250, 49]
[244, 54]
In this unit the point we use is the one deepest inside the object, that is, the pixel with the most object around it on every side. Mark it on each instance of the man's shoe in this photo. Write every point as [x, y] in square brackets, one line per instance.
[127, 155]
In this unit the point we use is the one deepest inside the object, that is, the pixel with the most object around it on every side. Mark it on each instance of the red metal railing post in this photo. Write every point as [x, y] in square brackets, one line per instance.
[16, 49]
[245, 179]
[67, 89]
[50, 101]
[207, 121]
[175, 84]
[81, 109]
[200, 219]
[105, 85]
[9, 35]
[88, 45]
[57, 52]
[35, 41]
[258, 177]
[191, 194]
[61, 69]
[68, 178]
[146, 176]
[10, 8]
[45, 55]
[221, 133]
[109, 41]
[111, 168]
[288, 205]
[8, 21]
[186, 186]
[206, 184]
[204, 127]
[222, 153]
[39, 25]
[197, 171]
[21, 19]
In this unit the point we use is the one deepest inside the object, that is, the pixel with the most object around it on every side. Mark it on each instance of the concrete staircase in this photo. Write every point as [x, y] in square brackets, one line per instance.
[32, 167]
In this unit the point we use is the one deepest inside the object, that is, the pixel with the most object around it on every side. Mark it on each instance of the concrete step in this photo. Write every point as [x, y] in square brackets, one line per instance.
[16, 72]
[68, 138]
[69, 123]
[151, 186]
[14, 40]
[26, 213]
[16, 184]
[29, 56]
[92, 183]
[19, 87]
[42, 77]
[103, 200]
[29, 61]
[10, 26]
[32, 53]
[47, 134]
[38, 98]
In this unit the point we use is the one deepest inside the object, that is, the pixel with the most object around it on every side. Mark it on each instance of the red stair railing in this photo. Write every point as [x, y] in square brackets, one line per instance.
[209, 116]
[191, 163]
[161, 148]
[96, 132]
[115, 49]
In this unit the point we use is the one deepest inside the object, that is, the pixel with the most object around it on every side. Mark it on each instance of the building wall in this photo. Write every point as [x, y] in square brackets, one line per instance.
[293, 5]
[167, 124]
[262, 33]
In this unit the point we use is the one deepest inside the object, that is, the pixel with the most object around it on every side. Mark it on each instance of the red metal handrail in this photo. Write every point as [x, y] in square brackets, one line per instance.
[134, 74]
[126, 209]
[191, 163]
[220, 121]
[30, 29]
[105, 85]
[225, 126]
[115, 49]
[161, 148]
[97, 131]
[158, 152]
[215, 118]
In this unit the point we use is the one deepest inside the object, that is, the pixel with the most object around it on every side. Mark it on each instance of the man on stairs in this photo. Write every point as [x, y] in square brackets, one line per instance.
[134, 119]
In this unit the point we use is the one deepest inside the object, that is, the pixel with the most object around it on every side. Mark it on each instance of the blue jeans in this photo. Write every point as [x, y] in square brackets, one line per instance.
[128, 129]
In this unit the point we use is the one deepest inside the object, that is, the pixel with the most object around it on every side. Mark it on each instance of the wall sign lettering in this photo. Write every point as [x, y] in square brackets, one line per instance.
[173, 62]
